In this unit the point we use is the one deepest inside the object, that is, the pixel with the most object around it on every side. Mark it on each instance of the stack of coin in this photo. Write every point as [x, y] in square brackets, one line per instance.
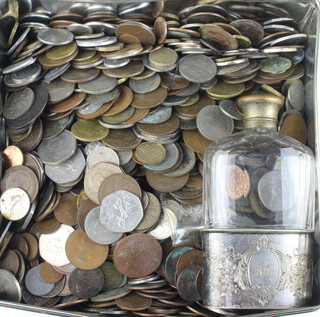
[111, 107]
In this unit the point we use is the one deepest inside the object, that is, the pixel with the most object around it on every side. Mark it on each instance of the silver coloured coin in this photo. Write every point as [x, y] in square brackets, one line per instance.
[101, 41]
[18, 42]
[227, 106]
[27, 75]
[89, 66]
[59, 90]
[129, 8]
[110, 295]
[128, 167]
[116, 63]
[190, 90]
[145, 85]
[14, 204]
[89, 108]
[147, 64]
[106, 28]
[197, 68]
[124, 156]
[213, 124]
[294, 39]
[172, 157]
[18, 103]
[121, 211]
[175, 100]
[97, 231]
[58, 149]
[55, 36]
[52, 246]
[18, 66]
[100, 99]
[159, 116]
[79, 29]
[115, 126]
[91, 146]
[55, 72]
[100, 85]
[209, 84]
[102, 154]
[89, 36]
[166, 226]
[295, 95]
[10, 287]
[188, 123]
[100, 7]
[35, 284]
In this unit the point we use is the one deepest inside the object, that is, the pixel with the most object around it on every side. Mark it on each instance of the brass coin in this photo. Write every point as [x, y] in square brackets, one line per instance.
[66, 210]
[119, 182]
[223, 90]
[68, 104]
[147, 73]
[48, 225]
[49, 274]
[133, 302]
[83, 210]
[89, 130]
[111, 48]
[48, 63]
[164, 57]
[134, 68]
[164, 183]
[61, 52]
[150, 153]
[84, 55]
[129, 39]
[149, 100]
[123, 139]
[195, 141]
[32, 245]
[83, 253]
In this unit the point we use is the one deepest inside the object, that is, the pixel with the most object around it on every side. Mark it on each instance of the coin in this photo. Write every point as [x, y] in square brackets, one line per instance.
[145, 85]
[10, 262]
[58, 90]
[275, 65]
[137, 29]
[55, 36]
[99, 85]
[66, 210]
[293, 125]
[102, 154]
[150, 153]
[131, 253]
[190, 257]
[133, 302]
[83, 253]
[10, 287]
[49, 274]
[149, 100]
[86, 283]
[89, 130]
[12, 156]
[110, 295]
[69, 103]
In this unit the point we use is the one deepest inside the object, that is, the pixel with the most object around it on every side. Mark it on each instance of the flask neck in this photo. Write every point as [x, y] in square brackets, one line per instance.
[250, 123]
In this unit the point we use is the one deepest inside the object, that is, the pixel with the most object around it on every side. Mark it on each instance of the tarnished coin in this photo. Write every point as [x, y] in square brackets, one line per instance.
[12, 156]
[57, 150]
[293, 125]
[139, 30]
[197, 68]
[249, 28]
[237, 182]
[112, 277]
[73, 75]
[190, 257]
[137, 255]
[49, 274]
[275, 65]
[66, 210]
[10, 261]
[227, 106]
[97, 231]
[14, 204]
[89, 130]
[102, 154]
[99, 85]
[123, 206]
[86, 283]
[83, 253]
[133, 302]
[213, 124]
[110, 295]
[147, 85]
[55, 36]
[10, 288]
[58, 90]
[296, 95]
[52, 246]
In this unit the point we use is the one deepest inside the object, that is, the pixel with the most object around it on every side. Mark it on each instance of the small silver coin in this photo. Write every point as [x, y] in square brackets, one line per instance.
[59, 90]
[18, 42]
[295, 95]
[227, 106]
[10, 287]
[159, 116]
[35, 284]
[190, 90]
[101, 41]
[14, 204]
[175, 100]
[27, 75]
[121, 211]
[116, 63]
[56, 72]
[197, 68]
[89, 36]
[18, 103]
[145, 85]
[102, 154]
[110, 295]
[92, 146]
[106, 28]
[100, 99]
[101, 84]
[294, 39]
[97, 231]
[79, 29]
[55, 36]
[124, 156]
[57, 150]
[18, 66]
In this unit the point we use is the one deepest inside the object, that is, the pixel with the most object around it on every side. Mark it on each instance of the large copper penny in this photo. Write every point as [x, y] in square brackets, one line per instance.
[12, 156]
[66, 210]
[49, 274]
[86, 284]
[83, 211]
[137, 255]
[133, 302]
[237, 182]
[83, 253]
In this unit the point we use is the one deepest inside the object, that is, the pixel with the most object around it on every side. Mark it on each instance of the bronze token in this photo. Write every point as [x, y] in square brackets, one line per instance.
[48, 225]
[195, 141]
[237, 182]
[68, 104]
[83, 253]
[133, 302]
[119, 182]
[122, 139]
[294, 126]
[167, 127]
[86, 284]
[12, 156]
[134, 68]
[19, 243]
[164, 183]
[191, 257]
[66, 210]
[33, 245]
[49, 274]
[137, 255]
[83, 211]
[10, 262]
[73, 75]
[150, 99]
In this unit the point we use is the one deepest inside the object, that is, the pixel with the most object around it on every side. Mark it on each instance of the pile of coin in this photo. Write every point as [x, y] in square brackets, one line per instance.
[108, 110]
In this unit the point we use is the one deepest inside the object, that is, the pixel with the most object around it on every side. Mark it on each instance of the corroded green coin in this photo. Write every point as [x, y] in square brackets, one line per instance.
[275, 65]
[89, 130]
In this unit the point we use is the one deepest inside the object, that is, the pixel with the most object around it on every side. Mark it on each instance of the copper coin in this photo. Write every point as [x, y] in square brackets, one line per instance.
[192, 111]
[165, 184]
[86, 284]
[127, 51]
[294, 126]
[12, 156]
[133, 302]
[10, 261]
[134, 68]
[105, 107]
[73, 75]
[19, 243]
[128, 39]
[187, 283]
[139, 30]
[137, 255]
[195, 141]
[65, 269]
[83, 211]
[57, 289]
[66, 210]
[191, 257]
[48, 225]
[68, 104]
[119, 181]
[33, 245]
[173, 82]
[237, 182]
[149, 100]
[122, 139]
[49, 274]
[72, 302]
[83, 252]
